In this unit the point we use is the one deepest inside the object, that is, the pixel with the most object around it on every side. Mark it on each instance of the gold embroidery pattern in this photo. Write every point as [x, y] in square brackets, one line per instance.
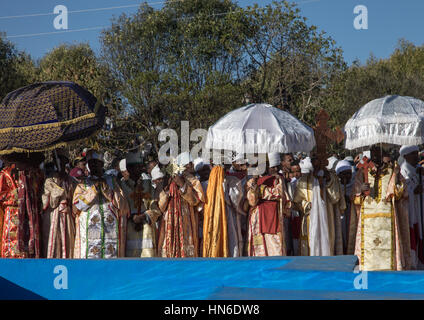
[377, 215]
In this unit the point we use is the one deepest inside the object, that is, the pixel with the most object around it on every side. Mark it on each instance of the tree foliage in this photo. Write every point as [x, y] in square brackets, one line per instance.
[78, 63]
[401, 74]
[290, 64]
[177, 63]
[16, 68]
[198, 59]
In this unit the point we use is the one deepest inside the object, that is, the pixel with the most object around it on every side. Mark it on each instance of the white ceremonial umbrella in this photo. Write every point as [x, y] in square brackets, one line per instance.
[390, 120]
[260, 128]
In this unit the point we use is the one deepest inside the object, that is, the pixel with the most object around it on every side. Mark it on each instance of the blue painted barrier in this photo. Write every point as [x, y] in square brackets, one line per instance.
[201, 278]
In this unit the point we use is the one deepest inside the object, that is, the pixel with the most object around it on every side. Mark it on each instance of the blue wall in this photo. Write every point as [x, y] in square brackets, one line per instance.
[229, 278]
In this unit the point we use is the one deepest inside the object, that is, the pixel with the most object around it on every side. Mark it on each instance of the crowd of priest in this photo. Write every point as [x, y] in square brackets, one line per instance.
[369, 205]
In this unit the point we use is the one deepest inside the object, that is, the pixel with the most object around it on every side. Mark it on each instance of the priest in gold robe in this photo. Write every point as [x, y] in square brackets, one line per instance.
[144, 212]
[380, 201]
[317, 195]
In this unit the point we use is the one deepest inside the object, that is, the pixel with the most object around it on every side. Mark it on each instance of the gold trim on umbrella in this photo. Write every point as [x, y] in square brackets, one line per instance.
[49, 125]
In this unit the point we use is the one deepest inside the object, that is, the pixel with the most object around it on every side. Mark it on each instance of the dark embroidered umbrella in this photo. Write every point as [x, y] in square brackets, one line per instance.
[47, 115]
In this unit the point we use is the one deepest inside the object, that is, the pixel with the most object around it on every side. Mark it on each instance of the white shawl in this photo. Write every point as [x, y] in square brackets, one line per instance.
[319, 239]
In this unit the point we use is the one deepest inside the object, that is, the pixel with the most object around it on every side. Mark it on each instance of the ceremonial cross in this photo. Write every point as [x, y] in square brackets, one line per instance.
[366, 165]
[324, 135]
[138, 195]
[377, 241]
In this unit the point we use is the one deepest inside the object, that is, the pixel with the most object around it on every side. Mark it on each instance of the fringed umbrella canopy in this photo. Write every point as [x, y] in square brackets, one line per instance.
[47, 115]
[392, 120]
[257, 128]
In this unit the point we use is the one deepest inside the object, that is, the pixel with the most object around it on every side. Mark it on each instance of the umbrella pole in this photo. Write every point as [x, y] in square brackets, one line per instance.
[381, 152]
[57, 160]
[420, 182]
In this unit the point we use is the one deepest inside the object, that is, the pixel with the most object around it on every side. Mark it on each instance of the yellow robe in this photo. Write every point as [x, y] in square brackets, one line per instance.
[381, 220]
[334, 202]
[215, 237]
[141, 243]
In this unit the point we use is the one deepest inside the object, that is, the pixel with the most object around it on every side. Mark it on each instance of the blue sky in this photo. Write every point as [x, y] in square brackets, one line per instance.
[388, 21]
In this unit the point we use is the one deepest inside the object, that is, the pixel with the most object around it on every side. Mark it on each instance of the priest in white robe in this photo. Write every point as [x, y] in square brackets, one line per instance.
[410, 170]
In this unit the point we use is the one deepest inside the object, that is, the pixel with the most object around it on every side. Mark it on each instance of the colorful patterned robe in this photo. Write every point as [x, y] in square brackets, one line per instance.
[98, 229]
[20, 202]
[58, 225]
[178, 235]
[266, 243]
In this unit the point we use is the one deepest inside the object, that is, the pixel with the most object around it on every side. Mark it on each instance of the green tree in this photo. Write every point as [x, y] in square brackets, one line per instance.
[16, 67]
[198, 59]
[401, 74]
[78, 63]
[181, 62]
[291, 64]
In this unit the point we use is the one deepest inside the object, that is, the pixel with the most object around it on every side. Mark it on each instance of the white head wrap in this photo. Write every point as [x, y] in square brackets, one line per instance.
[184, 158]
[332, 162]
[198, 164]
[239, 158]
[343, 165]
[274, 159]
[348, 158]
[306, 165]
[156, 173]
[123, 165]
[404, 150]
